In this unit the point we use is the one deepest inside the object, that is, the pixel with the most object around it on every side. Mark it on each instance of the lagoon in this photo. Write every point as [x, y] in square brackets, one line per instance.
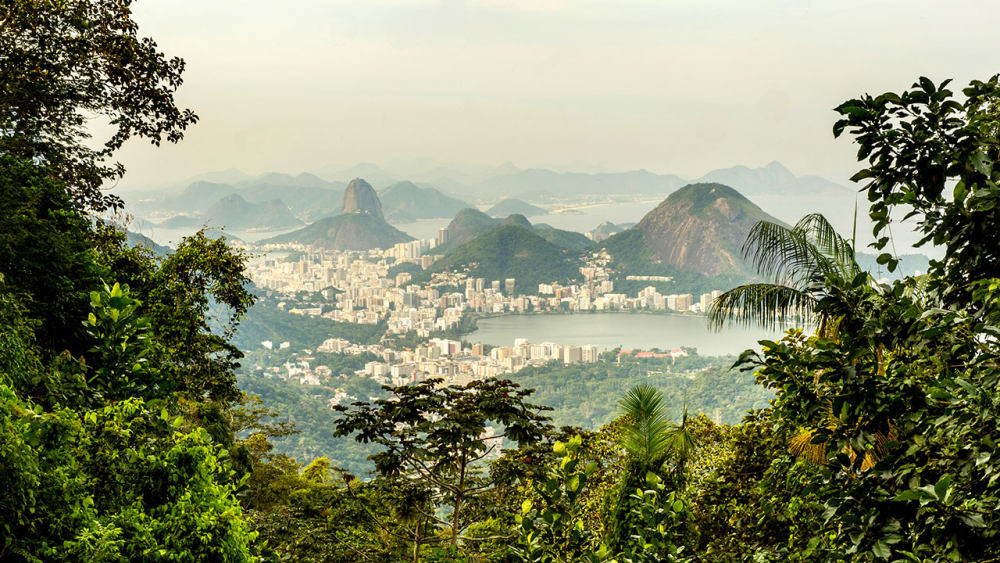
[628, 330]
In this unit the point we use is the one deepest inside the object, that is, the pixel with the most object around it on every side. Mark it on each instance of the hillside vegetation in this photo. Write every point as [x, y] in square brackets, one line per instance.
[512, 251]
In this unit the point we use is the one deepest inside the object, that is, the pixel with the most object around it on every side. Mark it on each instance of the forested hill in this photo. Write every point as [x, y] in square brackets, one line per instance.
[512, 251]
[470, 223]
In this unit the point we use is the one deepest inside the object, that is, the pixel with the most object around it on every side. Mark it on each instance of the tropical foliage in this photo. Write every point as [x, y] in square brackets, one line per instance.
[124, 436]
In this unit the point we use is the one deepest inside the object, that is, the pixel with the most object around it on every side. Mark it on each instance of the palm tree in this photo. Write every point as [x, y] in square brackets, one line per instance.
[801, 264]
[807, 263]
[649, 438]
[646, 433]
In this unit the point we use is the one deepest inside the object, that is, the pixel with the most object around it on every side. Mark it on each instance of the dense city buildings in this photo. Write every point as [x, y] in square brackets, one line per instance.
[378, 286]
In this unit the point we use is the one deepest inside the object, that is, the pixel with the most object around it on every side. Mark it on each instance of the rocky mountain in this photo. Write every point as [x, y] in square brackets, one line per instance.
[405, 201]
[360, 228]
[350, 231]
[512, 206]
[360, 197]
[535, 182]
[698, 229]
[306, 196]
[607, 229]
[512, 251]
[236, 213]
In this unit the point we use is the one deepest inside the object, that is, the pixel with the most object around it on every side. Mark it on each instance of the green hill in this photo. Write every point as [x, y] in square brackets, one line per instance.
[405, 201]
[511, 206]
[512, 251]
[470, 223]
[566, 239]
[351, 231]
[467, 225]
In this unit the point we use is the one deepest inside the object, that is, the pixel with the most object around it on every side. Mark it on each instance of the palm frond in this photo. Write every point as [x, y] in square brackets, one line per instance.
[783, 255]
[679, 438]
[763, 304]
[824, 237]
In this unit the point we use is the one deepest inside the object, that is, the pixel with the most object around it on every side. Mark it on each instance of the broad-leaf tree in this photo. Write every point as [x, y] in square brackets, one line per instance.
[436, 440]
[70, 66]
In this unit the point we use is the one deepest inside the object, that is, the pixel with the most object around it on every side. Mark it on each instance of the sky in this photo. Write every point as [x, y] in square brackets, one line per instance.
[671, 86]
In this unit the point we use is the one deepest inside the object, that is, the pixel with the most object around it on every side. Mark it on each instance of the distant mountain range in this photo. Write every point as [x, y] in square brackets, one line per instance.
[405, 201]
[533, 184]
[514, 206]
[539, 184]
[235, 212]
[773, 179]
[694, 235]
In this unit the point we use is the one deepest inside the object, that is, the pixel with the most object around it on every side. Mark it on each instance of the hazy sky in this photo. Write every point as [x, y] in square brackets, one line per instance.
[668, 85]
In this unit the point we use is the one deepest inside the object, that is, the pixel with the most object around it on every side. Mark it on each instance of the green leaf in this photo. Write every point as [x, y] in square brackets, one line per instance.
[973, 520]
[881, 550]
[912, 494]
[941, 489]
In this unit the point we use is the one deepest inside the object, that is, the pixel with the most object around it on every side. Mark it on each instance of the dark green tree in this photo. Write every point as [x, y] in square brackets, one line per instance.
[435, 440]
[67, 64]
[936, 157]
[46, 257]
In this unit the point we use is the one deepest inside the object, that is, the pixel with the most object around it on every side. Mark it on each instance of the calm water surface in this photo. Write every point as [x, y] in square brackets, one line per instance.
[628, 330]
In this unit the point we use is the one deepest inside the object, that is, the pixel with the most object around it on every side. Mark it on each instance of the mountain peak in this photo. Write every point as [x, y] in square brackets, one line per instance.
[360, 197]
[701, 228]
[517, 219]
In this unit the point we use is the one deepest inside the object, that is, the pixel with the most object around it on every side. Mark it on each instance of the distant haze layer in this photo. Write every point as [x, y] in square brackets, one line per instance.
[673, 87]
